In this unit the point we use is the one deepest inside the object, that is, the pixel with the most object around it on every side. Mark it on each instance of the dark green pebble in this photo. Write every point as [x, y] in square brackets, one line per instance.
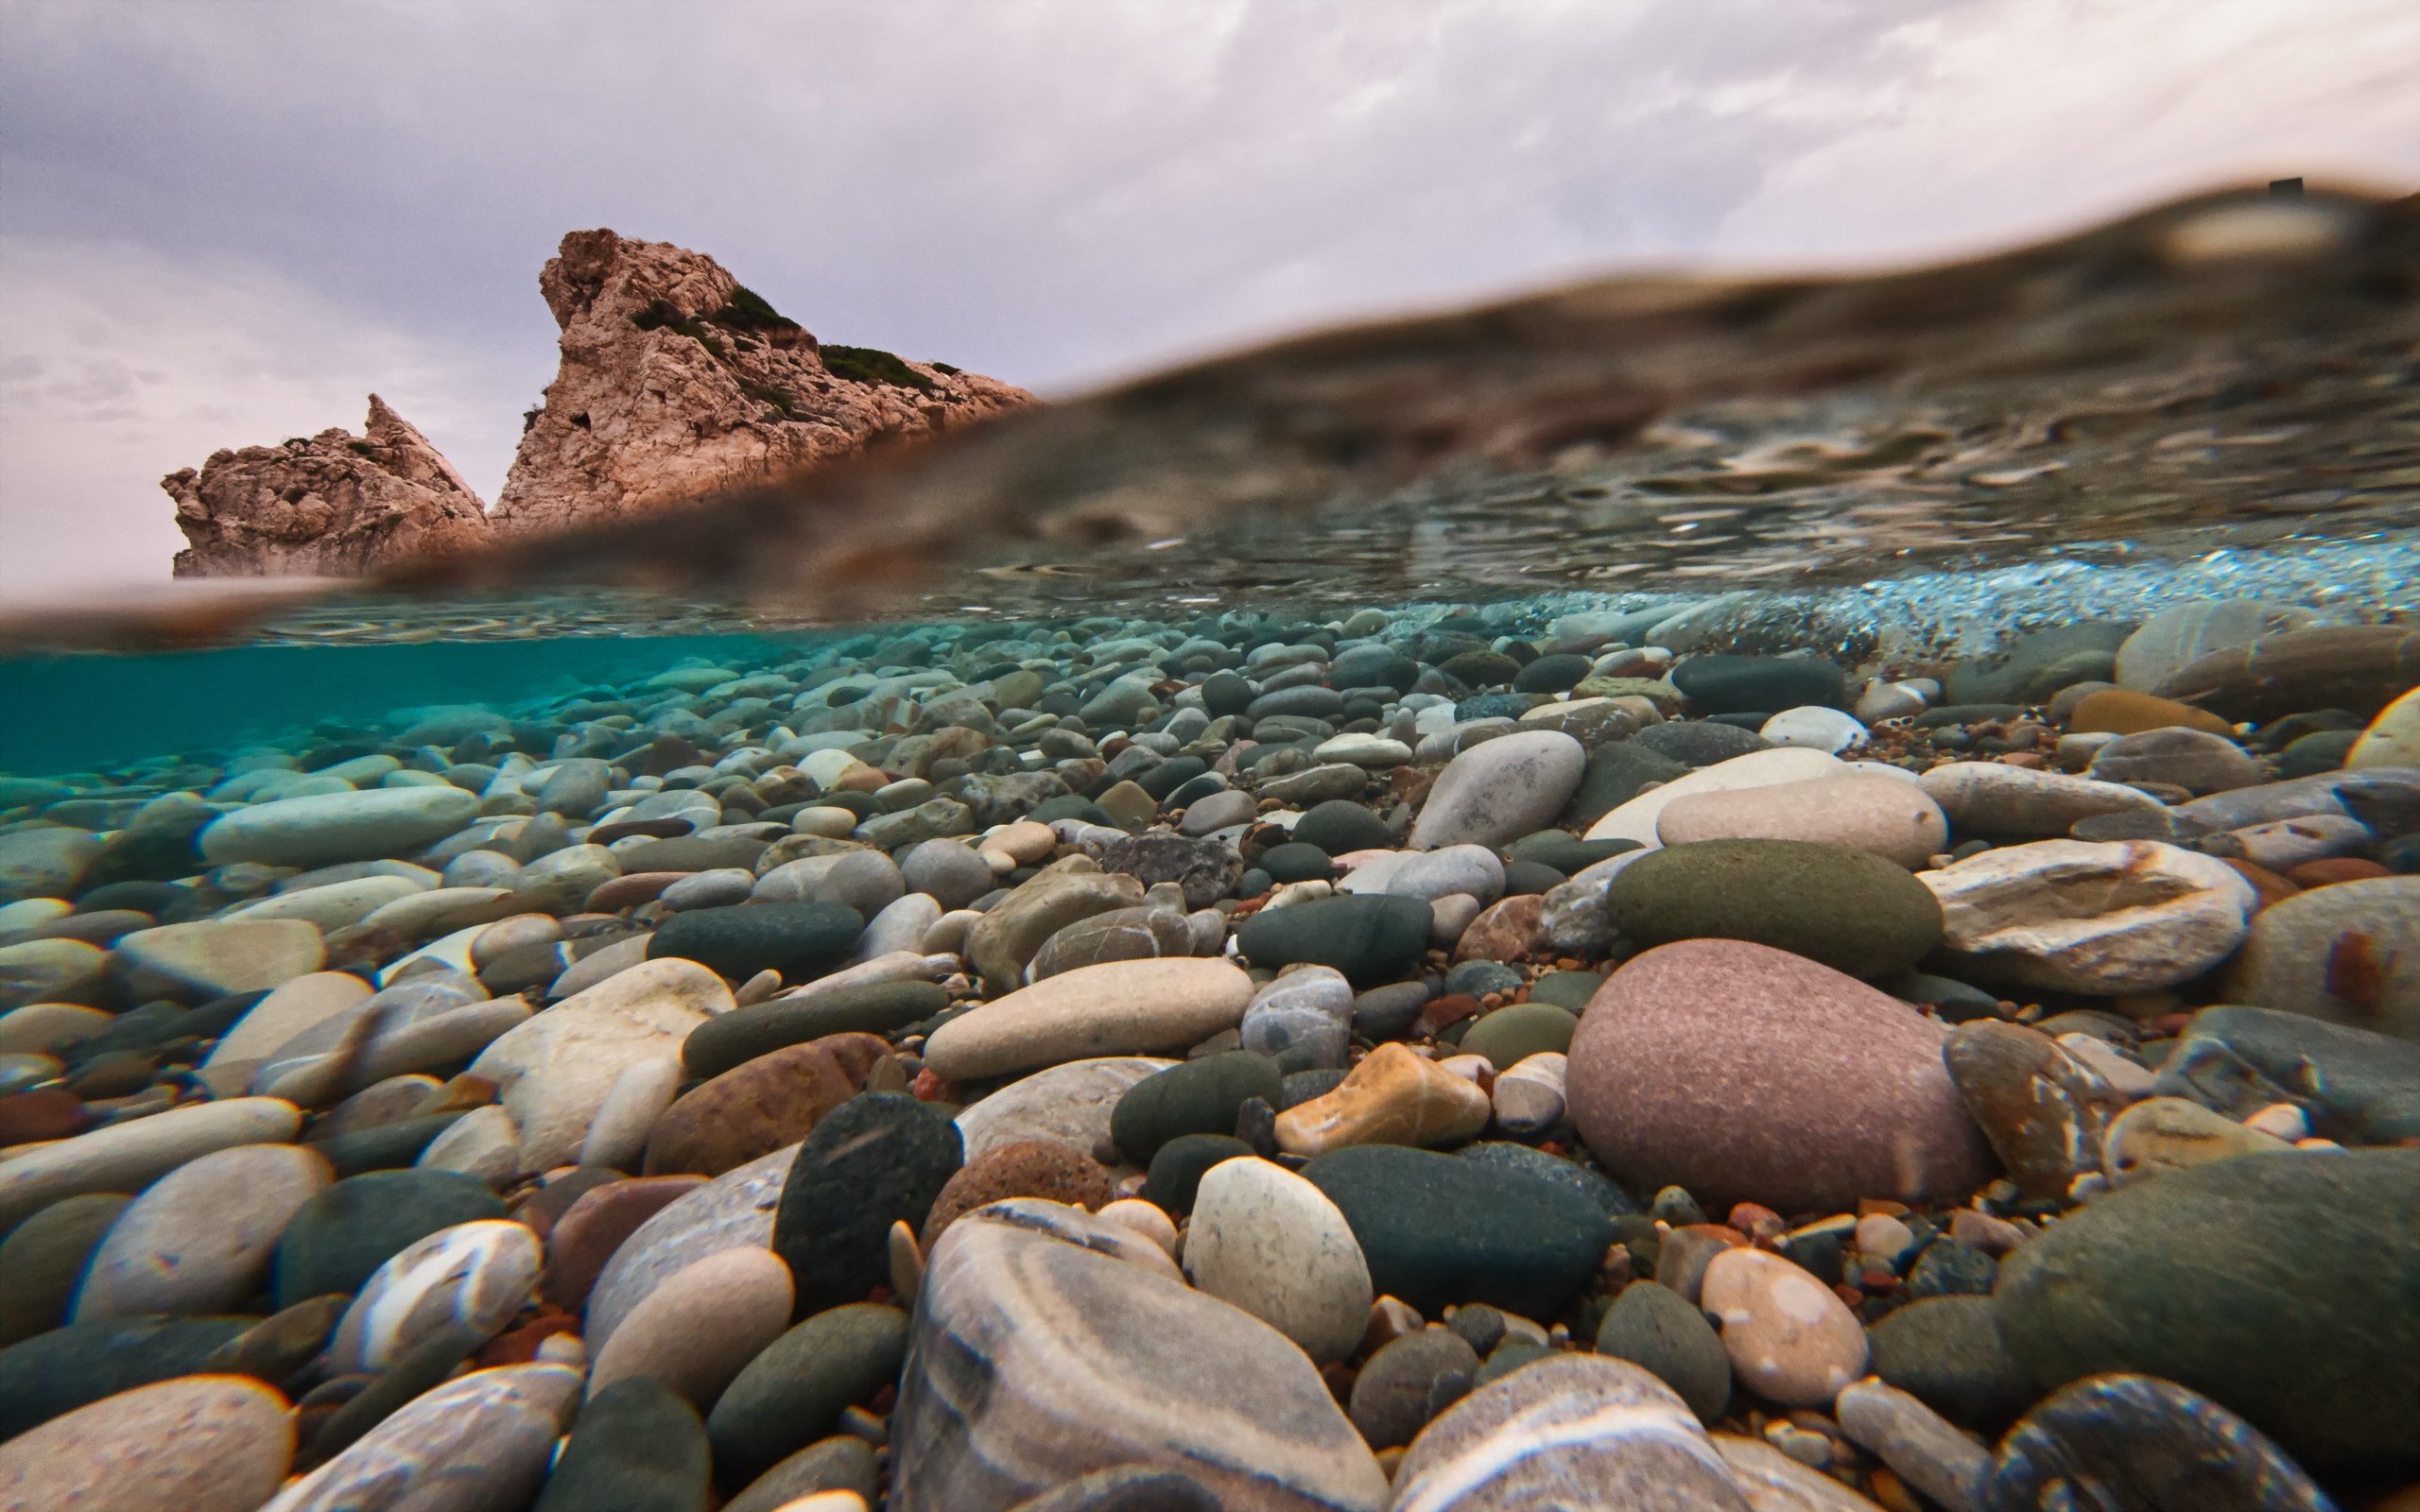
[1297, 862]
[1654, 1327]
[1438, 1229]
[52, 1374]
[1569, 990]
[1195, 1098]
[794, 1392]
[878, 1159]
[1370, 939]
[1408, 1382]
[1340, 825]
[845, 1463]
[733, 1039]
[800, 940]
[1177, 1170]
[1947, 1352]
[342, 1234]
[383, 1146]
[636, 1448]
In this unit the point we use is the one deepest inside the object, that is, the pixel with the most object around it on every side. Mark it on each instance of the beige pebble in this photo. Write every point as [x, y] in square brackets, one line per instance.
[1145, 1218]
[1788, 1337]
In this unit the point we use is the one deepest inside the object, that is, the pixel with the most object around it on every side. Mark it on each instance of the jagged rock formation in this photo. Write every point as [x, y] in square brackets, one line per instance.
[676, 381]
[333, 505]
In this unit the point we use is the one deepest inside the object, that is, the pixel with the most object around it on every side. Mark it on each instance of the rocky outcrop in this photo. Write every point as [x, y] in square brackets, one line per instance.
[677, 381]
[333, 505]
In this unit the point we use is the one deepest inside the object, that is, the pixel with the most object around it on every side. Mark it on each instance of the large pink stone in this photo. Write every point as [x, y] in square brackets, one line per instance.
[1749, 1074]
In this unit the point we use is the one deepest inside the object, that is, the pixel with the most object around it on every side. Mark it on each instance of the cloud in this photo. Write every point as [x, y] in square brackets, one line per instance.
[310, 202]
[120, 364]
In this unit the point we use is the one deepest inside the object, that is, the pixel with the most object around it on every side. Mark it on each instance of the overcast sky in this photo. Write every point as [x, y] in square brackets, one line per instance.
[224, 222]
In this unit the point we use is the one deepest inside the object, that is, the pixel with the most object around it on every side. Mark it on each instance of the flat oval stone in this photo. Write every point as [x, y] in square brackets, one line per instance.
[1273, 1244]
[700, 1325]
[480, 1441]
[1371, 938]
[1788, 1337]
[332, 826]
[1074, 1104]
[756, 1029]
[1570, 1430]
[1501, 790]
[1119, 1008]
[473, 1275]
[1882, 816]
[199, 1240]
[993, 1409]
[1408, 1380]
[1436, 1230]
[129, 1157]
[1639, 817]
[338, 1238]
[2129, 916]
[794, 1391]
[2348, 954]
[797, 940]
[1188, 1097]
[2135, 1443]
[1748, 1075]
[844, 1463]
[1852, 911]
[2276, 1286]
[636, 1448]
[209, 1444]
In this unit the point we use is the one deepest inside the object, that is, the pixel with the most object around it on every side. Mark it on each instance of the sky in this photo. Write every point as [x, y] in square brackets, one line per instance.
[225, 222]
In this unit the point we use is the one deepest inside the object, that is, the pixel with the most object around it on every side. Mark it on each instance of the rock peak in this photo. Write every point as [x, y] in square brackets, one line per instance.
[677, 381]
[333, 504]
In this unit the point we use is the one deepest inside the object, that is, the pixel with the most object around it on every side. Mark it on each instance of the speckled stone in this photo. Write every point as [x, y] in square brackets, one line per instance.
[1917, 1442]
[1788, 1337]
[1121, 1007]
[1850, 910]
[993, 1409]
[199, 1239]
[1749, 1074]
[877, 1160]
[128, 1156]
[210, 1444]
[1270, 1243]
[1570, 1430]
[2043, 1110]
[1947, 1352]
[1028, 1168]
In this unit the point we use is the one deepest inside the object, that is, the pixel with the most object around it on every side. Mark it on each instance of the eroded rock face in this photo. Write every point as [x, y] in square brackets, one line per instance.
[675, 382]
[336, 504]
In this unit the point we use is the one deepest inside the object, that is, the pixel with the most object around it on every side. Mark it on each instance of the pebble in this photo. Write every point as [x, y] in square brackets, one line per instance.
[1814, 727]
[2268, 1284]
[1436, 1230]
[1994, 800]
[2102, 919]
[206, 1444]
[1571, 1430]
[1272, 1244]
[1530, 1095]
[877, 1160]
[2140, 1444]
[1394, 1096]
[1498, 791]
[1947, 1352]
[1886, 817]
[479, 1440]
[2347, 954]
[2390, 740]
[1369, 939]
[617, 1136]
[797, 940]
[1640, 817]
[993, 1410]
[129, 1157]
[214, 957]
[474, 1275]
[333, 827]
[732, 1211]
[199, 1240]
[553, 1073]
[733, 1039]
[1849, 910]
[1771, 1481]
[1029, 1168]
[2194, 760]
[1074, 1104]
[1787, 1337]
[762, 1106]
[45, 1259]
[1849, 1098]
[794, 1391]
[1655, 1328]
[1925, 1452]
[839, 1467]
[2162, 1134]
[699, 1326]
[1303, 1018]
[2044, 1109]
[637, 1447]
[1123, 1007]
